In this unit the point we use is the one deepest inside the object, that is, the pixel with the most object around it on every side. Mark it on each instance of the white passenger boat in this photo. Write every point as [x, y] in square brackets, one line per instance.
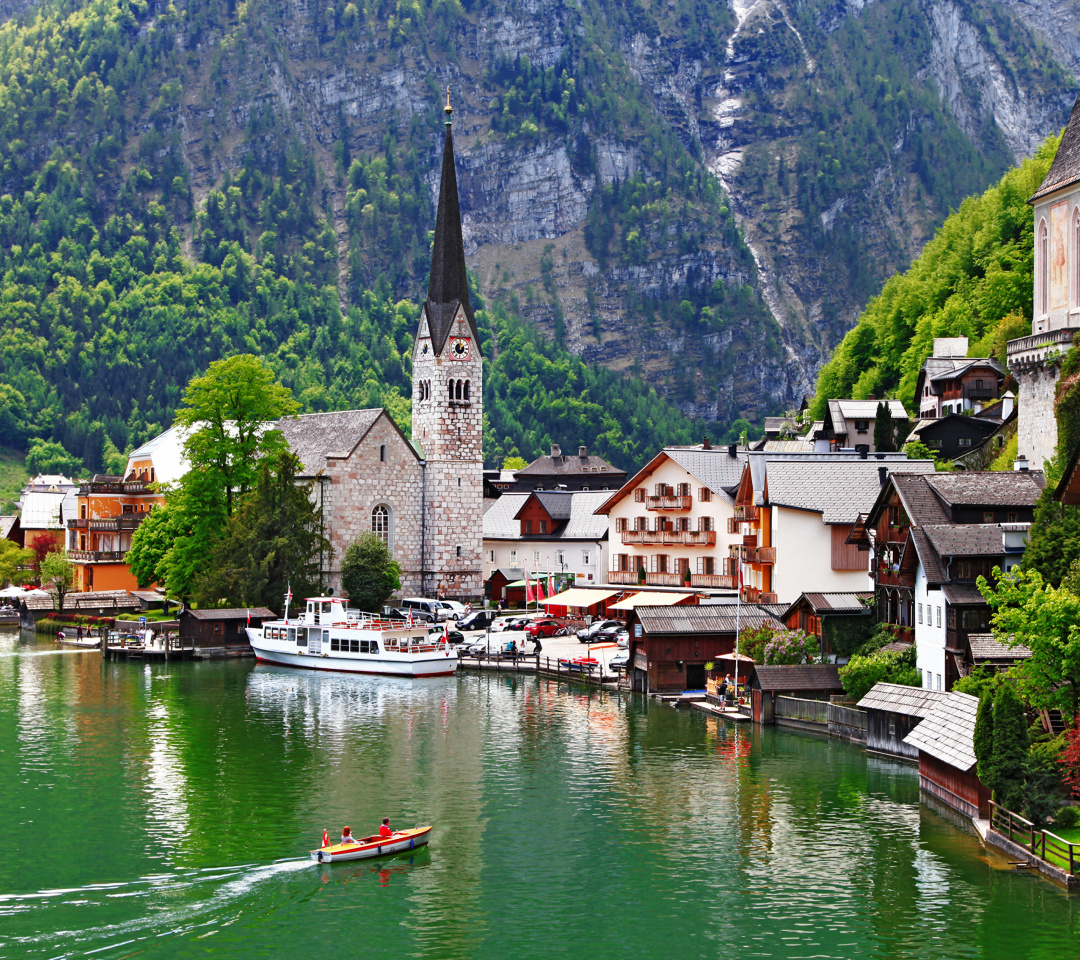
[329, 636]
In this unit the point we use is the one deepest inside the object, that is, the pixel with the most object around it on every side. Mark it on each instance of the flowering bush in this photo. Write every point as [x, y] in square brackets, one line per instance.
[790, 647]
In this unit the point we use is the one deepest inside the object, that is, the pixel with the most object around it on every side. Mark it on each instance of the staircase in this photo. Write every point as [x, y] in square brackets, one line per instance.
[1052, 721]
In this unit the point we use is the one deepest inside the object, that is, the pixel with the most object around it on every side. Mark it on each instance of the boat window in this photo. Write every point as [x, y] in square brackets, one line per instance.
[334, 645]
[417, 640]
[391, 644]
[326, 608]
[374, 646]
[301, 636]
[354, 646]
[326, 636]
[364, 646]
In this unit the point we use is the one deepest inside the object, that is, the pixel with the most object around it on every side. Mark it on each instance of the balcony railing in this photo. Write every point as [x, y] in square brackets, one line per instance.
[669, 503]
[125, 487]
[127, 521]
[753, 554]
[651, 579]
[714, 580]
[97, 556]
[747, 514]
[689, 538]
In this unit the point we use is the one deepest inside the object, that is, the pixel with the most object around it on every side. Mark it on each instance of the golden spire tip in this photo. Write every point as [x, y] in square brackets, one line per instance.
[448, 110]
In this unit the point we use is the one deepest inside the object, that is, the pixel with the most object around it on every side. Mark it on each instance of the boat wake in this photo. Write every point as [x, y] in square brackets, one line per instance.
[179, 904]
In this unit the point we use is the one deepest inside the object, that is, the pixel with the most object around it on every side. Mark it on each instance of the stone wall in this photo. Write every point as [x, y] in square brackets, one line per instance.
[1037, 426]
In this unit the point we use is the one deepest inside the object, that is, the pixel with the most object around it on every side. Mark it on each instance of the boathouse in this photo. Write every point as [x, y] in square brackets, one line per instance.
[818, 681]
[222, 629]
[892, 712]
[945, 741]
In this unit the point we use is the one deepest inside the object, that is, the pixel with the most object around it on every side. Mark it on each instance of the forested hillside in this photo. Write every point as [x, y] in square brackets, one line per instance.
[973, 279]
[659, 192]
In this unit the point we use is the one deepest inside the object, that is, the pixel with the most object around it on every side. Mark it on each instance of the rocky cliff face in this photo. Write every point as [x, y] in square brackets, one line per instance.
[840, 132]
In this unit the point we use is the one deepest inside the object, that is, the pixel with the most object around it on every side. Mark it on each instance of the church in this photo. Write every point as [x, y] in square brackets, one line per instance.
[425, 497]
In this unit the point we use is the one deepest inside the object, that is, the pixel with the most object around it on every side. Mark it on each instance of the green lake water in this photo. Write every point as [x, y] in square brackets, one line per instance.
[168, 812]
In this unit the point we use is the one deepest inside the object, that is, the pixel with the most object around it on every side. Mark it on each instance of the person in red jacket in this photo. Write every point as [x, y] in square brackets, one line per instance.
[384, 830]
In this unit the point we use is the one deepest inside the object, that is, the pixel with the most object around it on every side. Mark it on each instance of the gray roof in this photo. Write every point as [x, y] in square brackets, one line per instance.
[817, 677]
[584, 522]
[570, 464]
[777, 424]
[6, 526]
[947, 732]
[315, 436]
[837, 489]
[557, 502]
[802, 445]
[1066, 166]
[574, 510]
[990, 488]
[910, 701]
[962, 594]
[231, 613]
[41, 511]
[717, 469]
[965, 539]
[500, 521]
[711, 618]
[932, 565]
[985, 646]
[832, 603]
[948, 368]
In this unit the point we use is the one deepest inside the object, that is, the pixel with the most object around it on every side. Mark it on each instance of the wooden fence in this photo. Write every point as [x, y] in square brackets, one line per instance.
[847, 723]
[807, 711]
[1041, 843]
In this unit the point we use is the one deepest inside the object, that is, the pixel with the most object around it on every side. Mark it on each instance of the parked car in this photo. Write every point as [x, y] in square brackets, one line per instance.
[403, 613]
[477, 620]
[454, 637]
[591, 633]
[457, 610]
[622, 638]
[434, 608]
[619, 661]
[545, 628]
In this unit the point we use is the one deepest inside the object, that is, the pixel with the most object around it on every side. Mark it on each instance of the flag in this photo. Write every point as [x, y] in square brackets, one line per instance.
[409, 622]
[551, 585]
[249, 616]
[540, 590]
[528, 590]
[325, 839]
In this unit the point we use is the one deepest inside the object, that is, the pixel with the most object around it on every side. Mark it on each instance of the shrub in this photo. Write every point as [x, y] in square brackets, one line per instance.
[1043, 789]
[790, 647]
[1067, 818]
[861, 673]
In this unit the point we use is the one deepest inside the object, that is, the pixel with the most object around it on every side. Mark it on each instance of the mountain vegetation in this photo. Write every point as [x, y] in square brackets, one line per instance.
[191, 180]
[973, 279]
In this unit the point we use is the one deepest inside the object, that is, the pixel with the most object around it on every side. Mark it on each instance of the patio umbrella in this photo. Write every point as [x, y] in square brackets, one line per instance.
[742, 657]
[12, 591]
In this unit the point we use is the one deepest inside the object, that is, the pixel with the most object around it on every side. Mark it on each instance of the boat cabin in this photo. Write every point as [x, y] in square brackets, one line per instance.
[325, 610]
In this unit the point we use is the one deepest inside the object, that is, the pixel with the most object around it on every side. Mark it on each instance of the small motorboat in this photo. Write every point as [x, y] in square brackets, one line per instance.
[376, 846]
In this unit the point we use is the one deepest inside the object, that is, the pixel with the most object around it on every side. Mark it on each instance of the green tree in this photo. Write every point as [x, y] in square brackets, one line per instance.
[983, 738]
[861, 673]
[44, 456]
[1005, 771]
[1053, 544]
[514, 463]
[150, 545]
[58, 572]
[273, 539]
[884, 432]
[369, 574]
[1043, 786]
[1032, 613]
[15, 563]
[227, 412]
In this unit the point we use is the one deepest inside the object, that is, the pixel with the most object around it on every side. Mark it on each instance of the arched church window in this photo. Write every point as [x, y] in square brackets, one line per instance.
[381, 522]
[1042, 266]
[382, 452]
[467, 384]
[459, 390]
[450, 389]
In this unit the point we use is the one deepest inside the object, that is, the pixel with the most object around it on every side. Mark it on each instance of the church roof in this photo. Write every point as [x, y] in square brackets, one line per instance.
[448, 286]
[1065, 169]
[315, 436]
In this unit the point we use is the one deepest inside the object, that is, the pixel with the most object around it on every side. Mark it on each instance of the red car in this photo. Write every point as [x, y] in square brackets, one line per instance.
[544, 628]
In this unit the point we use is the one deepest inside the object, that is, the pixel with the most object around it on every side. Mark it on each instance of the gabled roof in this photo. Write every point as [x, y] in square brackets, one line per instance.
[947, 732]
[894, 698]
[965, 539]
[702, 618]
[41, 511]
[715, 468]
[7, 524]
[448, 285]
[573, 511]
[989, 488]
[985, 646]
[975, 427]
[233, 613]
[1065, 169]
[166, 452]
[949, 368]
[563, 464]
[555, 502]
[819, 676]
[962, 594]
[863, 409]
[500, 522]
[315, 437]
[825, 603]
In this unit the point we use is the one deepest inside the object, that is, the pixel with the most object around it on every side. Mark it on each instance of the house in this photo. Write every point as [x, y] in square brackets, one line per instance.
[955, 435]
[945, 742]
[506, 585]
[44, 504]
[559, 471]
[670, 645]
[794, 514]
[933, 535]
[670, 524]
[892, 712]
[556, 532]
[952, 382]
[222, 628]
[818, 681]
[836, 619]
[11, 529]
[849, 424]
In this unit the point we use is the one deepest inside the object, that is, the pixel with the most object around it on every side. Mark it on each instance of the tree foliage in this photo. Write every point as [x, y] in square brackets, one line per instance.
[1004, 772]
[983, 738]
[58, 574]
[369, 573]
[15, 563]
[791, 647]
[273, 539]
[861, 672]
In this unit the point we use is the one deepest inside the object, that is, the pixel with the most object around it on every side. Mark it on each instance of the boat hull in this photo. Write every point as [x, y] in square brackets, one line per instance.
[370, 847]
[438, 665]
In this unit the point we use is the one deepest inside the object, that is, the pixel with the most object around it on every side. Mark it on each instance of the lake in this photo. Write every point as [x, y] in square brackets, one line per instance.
[153, 811]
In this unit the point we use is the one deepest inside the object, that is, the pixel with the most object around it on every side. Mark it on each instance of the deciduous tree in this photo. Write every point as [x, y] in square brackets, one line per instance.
[15, 563]
[369, 574]
[58, 573]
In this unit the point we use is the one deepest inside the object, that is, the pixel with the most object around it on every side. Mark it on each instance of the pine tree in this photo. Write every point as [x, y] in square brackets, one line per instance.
[984, 735]
[1005, 775]
[884, 435]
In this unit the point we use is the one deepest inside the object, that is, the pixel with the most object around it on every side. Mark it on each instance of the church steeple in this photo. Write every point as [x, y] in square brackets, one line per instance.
[448, 286]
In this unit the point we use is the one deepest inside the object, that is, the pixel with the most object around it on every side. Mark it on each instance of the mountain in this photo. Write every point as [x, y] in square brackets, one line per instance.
[692, 196]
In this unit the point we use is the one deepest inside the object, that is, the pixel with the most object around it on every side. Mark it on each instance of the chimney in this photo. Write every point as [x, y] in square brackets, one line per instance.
[556, 450]
[950, 347]
[883, 474]
[871, 397]
[732, 447]
[1008, 401]
[863, 449]
[582, 451]
[1021, 464]
[706, 442]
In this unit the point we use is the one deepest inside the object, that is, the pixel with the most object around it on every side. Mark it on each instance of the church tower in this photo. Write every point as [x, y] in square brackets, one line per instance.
[448, 407]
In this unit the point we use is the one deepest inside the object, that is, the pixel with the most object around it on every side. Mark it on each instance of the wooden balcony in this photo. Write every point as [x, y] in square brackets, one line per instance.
[126, 521]
[630, 577]
[129, 488]
[747, 514]
[752, 554]
[714, 580]
[669, 503]
[97, 556]
[686, 538]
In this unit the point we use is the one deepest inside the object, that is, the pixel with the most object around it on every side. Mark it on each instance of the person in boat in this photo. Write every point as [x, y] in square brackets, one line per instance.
[60, 635]
[346, 835]
[384, 830]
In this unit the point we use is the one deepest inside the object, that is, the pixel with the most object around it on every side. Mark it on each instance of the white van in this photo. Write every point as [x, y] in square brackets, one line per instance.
[431, 608]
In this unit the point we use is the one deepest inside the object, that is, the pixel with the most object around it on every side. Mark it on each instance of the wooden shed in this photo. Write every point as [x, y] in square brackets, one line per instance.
[817, 681]
[945, 741]
[222, 628]
[892, 712]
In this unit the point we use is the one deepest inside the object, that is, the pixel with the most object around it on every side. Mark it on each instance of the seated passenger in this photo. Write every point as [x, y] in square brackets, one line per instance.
[384, 830]
[347, 837]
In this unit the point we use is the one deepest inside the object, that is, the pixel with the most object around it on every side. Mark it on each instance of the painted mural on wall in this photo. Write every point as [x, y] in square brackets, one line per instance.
[1059, 257]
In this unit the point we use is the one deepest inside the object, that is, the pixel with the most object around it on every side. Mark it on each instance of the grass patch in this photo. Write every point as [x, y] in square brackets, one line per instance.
[13, 477]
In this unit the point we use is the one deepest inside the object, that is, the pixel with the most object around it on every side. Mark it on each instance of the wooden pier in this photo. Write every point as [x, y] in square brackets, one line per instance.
[556, 668]
[174, 648]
